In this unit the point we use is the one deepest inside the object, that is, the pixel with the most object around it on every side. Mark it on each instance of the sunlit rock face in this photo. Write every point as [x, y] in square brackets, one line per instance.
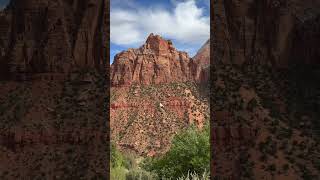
[155, 62]
[158, 61]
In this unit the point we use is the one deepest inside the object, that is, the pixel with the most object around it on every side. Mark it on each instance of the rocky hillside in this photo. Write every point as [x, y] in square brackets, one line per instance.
[144, 119]
[154, 95]
[52, 71]
[264, 90]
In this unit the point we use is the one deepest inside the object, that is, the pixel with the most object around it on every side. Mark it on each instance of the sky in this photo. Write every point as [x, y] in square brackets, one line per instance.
[185, 22]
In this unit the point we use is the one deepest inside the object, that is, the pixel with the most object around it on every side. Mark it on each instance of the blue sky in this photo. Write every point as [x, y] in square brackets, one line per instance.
[3, 3]
[185, 22]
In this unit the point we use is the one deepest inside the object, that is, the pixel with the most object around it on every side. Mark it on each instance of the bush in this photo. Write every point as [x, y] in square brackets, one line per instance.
[118, 173]
[117, 168]
[139, 174]
[117, 159]
[190, 152]
[124, 167]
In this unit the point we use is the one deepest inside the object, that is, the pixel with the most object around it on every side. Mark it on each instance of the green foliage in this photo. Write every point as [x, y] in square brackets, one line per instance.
[117, 159]
[118, 173]
[189, 153]
[124, 167]
[139, 174]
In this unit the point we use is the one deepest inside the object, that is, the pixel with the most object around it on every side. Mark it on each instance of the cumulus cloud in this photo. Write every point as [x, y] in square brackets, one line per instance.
[185, 23]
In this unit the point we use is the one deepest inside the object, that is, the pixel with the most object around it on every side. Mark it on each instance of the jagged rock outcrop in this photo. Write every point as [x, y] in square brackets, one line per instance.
[157, 61]
[52, 36]
[264, 32]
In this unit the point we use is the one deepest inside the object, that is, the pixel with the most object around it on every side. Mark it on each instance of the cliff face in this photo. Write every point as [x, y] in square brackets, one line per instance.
[265, 32]
[52, 36]
[202, 63]
[157, 61]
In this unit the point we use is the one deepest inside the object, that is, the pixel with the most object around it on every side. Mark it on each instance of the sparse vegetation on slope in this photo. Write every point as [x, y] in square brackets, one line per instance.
[187, 159]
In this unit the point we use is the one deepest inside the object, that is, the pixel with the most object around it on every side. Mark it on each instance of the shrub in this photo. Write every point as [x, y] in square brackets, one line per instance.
[139, 174]
[190, 152]
[117, 159]
[118, 173]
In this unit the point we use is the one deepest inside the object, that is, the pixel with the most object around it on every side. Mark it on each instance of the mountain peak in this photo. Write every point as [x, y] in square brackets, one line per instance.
[158, 44]
[157, 62]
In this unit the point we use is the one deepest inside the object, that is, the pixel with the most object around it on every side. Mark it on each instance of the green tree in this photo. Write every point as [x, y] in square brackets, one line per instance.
[190, 152]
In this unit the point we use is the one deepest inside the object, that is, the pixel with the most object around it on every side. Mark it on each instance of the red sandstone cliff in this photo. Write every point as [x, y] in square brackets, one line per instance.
[157, 61]
[202, 63]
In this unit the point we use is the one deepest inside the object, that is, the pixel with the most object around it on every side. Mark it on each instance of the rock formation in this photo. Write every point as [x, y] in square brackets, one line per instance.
[202, 63]
[157, 61]
[154, 95]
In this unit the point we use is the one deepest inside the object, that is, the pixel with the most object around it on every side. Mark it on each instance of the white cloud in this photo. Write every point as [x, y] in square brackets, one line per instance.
[186, 23]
